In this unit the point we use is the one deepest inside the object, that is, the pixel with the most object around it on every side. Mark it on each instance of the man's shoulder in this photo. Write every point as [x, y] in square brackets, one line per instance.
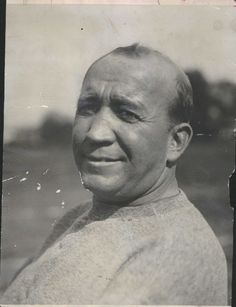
[185, 229]
[67, 220]
[60, 227]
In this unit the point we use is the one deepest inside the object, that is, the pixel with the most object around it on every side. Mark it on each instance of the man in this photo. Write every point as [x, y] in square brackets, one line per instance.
[140, 241]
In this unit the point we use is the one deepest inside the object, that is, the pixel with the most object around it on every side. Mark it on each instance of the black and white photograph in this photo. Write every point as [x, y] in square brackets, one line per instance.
[118, 147]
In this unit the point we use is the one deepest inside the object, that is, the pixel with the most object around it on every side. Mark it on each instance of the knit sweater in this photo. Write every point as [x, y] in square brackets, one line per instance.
[161, 252]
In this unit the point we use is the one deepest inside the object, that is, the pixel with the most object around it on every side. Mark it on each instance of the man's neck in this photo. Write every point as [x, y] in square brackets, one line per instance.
[165, 187]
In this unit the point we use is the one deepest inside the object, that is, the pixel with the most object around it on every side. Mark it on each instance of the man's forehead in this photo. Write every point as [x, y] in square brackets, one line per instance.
[143, 77]
[147, 71]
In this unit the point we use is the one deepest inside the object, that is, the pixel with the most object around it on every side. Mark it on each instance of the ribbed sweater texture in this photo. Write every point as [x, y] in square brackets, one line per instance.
[160, 252]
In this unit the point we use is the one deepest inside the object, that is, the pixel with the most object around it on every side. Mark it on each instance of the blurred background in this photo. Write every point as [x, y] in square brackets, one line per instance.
[48, 51]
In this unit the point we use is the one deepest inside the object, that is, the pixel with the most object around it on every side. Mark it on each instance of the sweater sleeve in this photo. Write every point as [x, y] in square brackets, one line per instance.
[171, 271]
[63, 224]
[16, 291]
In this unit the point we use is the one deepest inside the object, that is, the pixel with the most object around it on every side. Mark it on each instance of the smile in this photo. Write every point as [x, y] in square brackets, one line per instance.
[102, 159]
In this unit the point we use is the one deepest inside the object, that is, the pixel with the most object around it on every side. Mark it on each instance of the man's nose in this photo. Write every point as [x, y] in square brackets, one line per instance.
[101, 130]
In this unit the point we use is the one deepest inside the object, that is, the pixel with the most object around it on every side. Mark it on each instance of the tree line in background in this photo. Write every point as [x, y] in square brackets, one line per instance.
[214, 104]
[214, 113]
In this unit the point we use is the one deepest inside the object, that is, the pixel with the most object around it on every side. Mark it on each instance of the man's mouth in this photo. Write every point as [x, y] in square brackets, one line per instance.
[102, 159]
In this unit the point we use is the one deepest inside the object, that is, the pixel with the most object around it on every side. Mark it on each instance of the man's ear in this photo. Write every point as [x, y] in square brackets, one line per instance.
[179, 138]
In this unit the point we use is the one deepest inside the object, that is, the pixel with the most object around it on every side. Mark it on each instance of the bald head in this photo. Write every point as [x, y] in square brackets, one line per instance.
[157, 72]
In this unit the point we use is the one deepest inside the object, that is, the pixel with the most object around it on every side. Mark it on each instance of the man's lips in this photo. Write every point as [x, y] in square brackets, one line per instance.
[93, 158]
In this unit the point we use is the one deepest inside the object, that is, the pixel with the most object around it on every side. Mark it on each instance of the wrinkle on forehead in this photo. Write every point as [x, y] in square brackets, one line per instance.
[113, 91]
[149, 73]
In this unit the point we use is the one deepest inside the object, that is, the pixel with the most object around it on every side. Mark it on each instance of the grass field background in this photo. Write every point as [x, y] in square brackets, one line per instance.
[41, 184]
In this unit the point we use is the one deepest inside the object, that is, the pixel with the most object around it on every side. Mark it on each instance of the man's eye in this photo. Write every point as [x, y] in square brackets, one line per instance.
[128, 116]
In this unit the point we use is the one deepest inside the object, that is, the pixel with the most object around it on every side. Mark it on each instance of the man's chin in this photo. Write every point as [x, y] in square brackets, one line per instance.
[102, 187]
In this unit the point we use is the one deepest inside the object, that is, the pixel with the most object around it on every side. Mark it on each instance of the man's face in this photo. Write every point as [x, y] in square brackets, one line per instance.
[120, 135]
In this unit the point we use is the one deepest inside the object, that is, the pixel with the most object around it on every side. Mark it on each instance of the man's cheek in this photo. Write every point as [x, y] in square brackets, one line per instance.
[78, 135]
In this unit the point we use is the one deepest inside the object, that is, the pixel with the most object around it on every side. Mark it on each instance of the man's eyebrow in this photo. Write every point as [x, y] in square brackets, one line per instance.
[123, 100]
[88, 98]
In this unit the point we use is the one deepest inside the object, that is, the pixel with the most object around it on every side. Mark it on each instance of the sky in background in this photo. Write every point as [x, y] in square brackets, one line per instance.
[49, 48]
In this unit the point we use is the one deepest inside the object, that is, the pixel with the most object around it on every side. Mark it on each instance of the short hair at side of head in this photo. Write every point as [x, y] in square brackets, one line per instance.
[180, 110]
